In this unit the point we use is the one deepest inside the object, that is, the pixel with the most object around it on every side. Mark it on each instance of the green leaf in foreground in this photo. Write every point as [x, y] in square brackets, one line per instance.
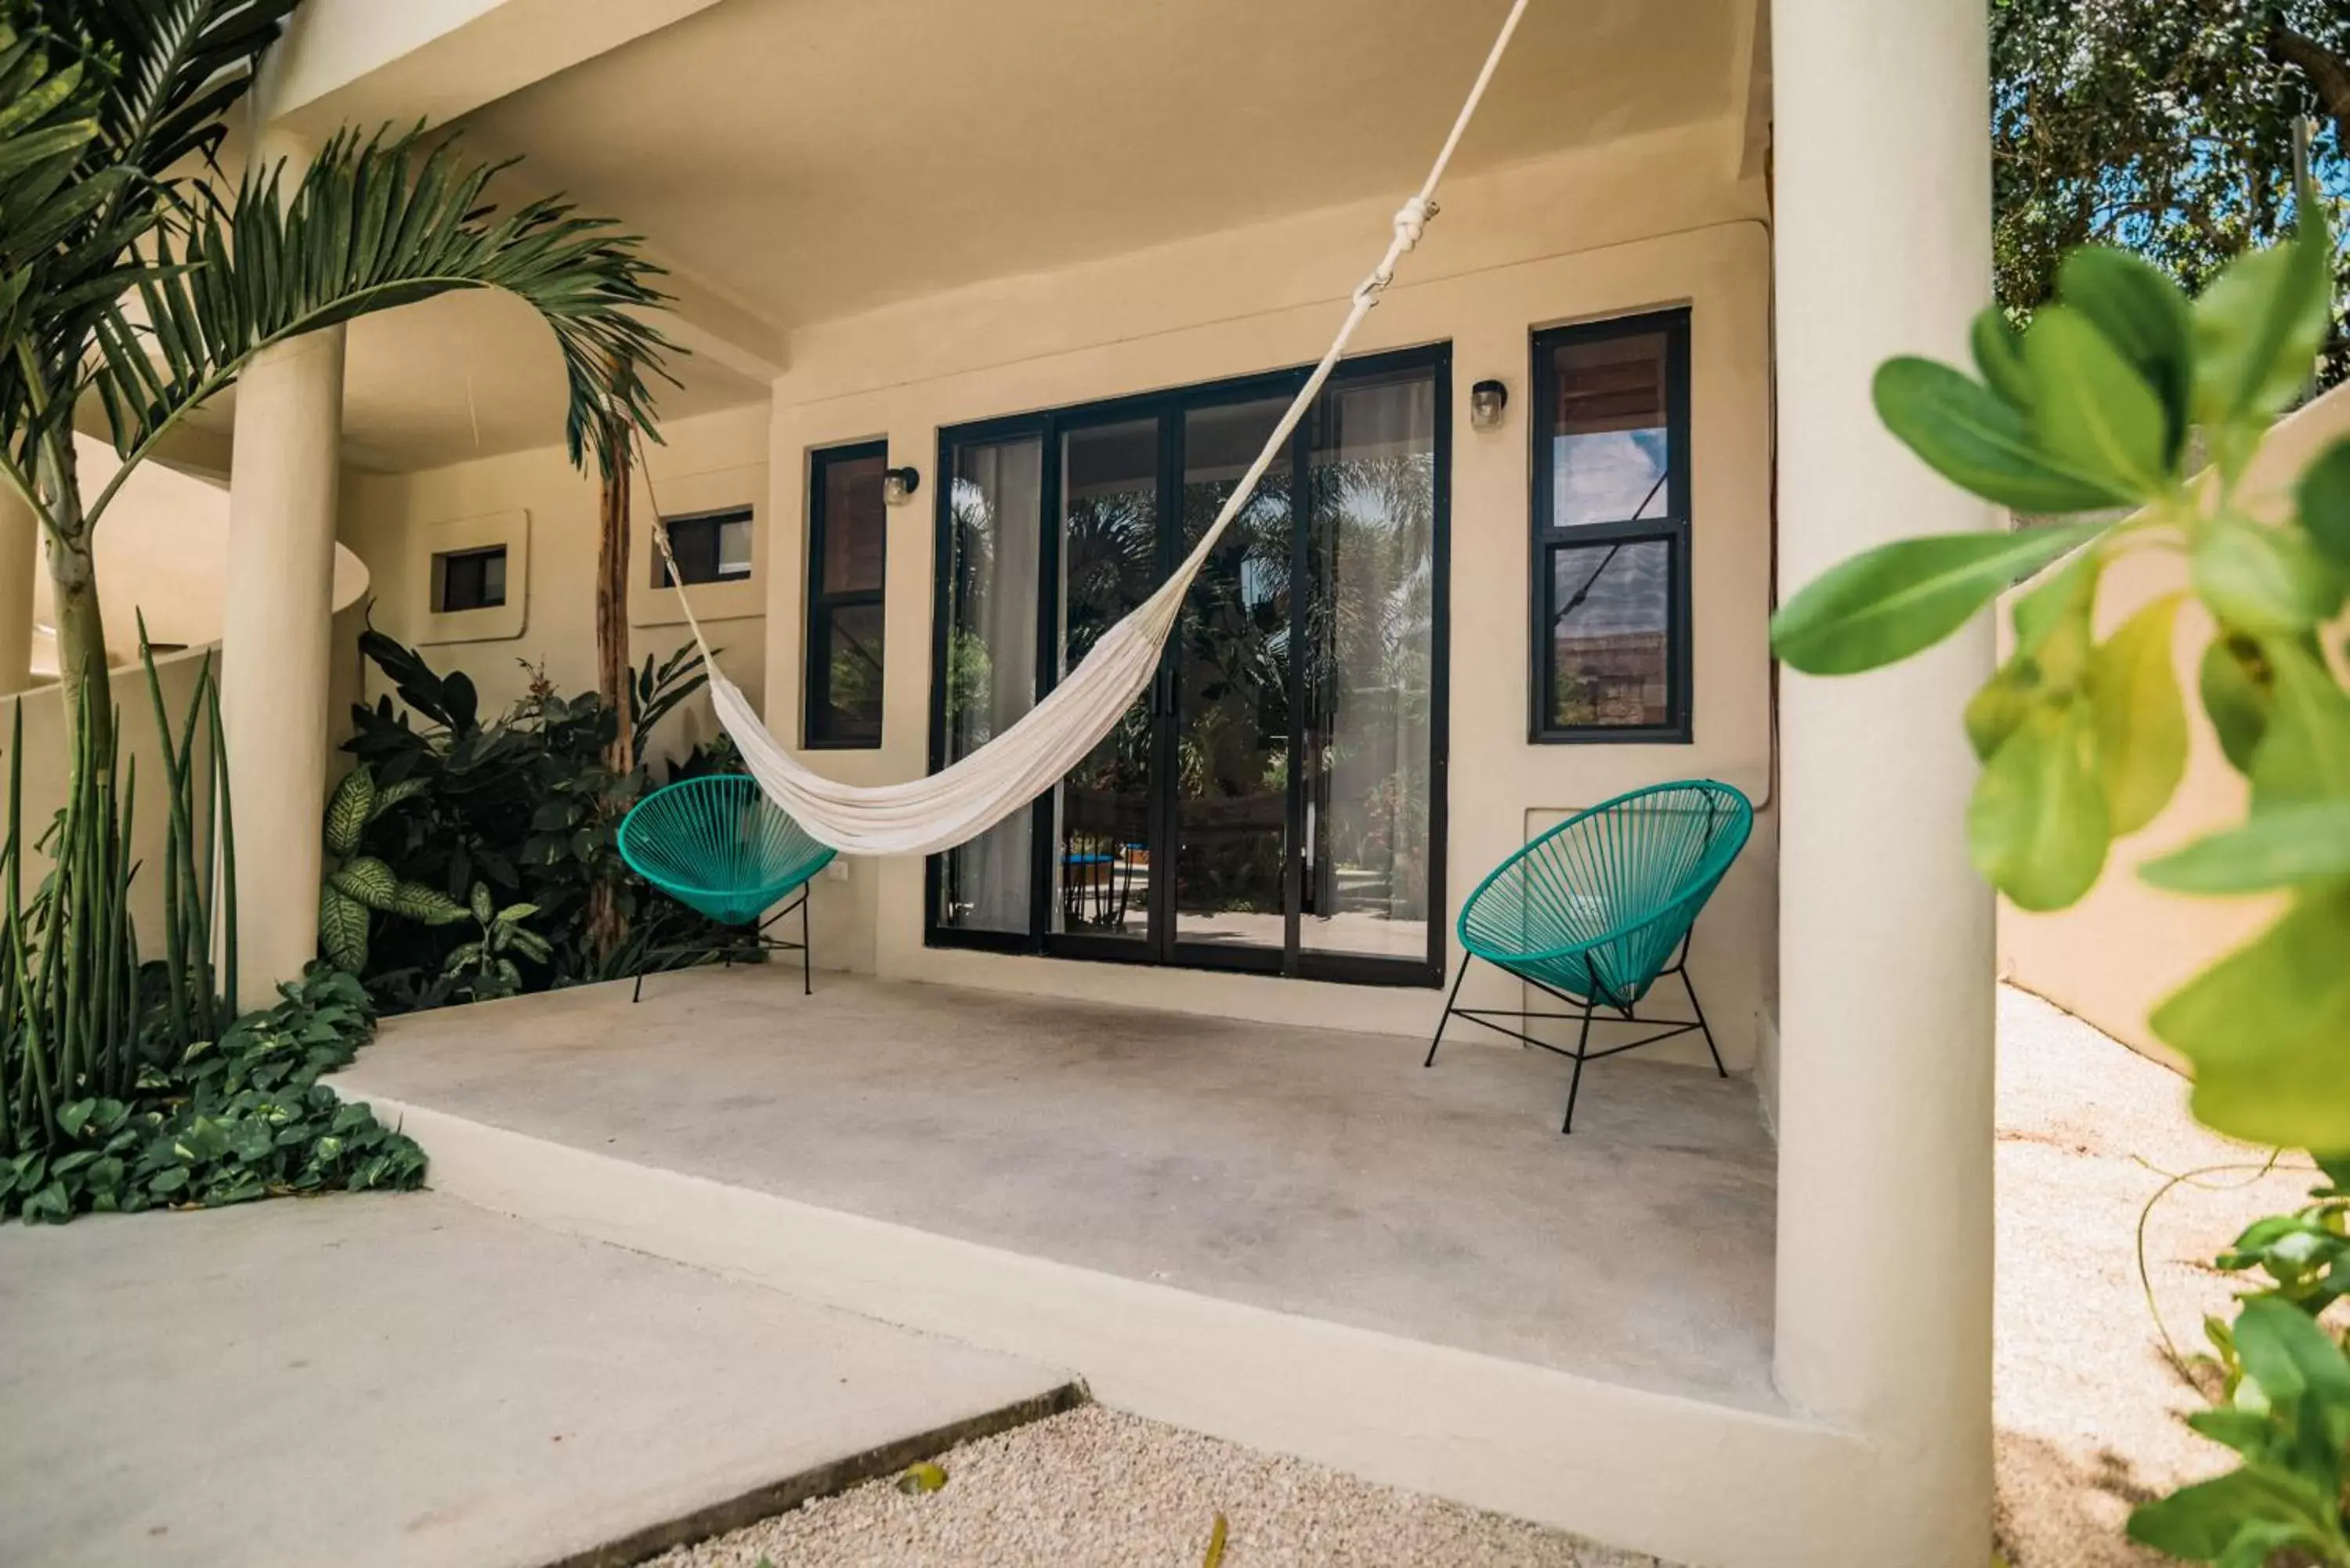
[2324, 497]
[2264, 1030]
[2091, 409]
[2238, 692]
[2305, 752]
[1981, 443]
[2264, 579]
[2284, 847]
[1888, 603]
[2141, 720]
[921, 1477]
[2143, 314]
[2037, 827]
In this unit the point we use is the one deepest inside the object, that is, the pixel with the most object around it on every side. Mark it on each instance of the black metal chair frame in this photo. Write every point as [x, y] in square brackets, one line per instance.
[751, 939]
[1668, 1028]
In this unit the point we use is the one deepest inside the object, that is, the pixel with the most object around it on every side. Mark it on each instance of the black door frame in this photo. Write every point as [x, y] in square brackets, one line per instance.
[1161, 947]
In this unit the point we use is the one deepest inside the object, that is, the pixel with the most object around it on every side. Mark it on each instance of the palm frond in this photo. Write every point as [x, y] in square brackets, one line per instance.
[181, 65]
[373, 225]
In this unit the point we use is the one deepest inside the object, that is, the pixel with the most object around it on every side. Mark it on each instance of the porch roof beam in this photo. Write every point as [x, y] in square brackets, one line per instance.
[370, 62]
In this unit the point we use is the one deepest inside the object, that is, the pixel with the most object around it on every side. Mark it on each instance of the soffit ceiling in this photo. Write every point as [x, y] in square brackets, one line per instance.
[818, 158]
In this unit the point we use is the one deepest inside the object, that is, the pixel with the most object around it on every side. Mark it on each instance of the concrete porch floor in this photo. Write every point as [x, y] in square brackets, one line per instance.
[1315, 1173]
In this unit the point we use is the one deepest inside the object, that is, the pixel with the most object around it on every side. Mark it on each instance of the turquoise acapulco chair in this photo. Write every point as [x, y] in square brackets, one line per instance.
[717, 845]
[1599, 909]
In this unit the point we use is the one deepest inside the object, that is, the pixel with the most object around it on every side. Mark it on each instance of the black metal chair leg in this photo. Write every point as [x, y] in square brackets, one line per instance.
[1703, 1028]
[1574, 1087]
[1449, 997]
[638, 995]
[807, 953]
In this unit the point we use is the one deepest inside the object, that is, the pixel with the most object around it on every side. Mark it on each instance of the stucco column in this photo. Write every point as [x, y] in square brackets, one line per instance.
[20, 559]
[277, 640]
[1883, 247]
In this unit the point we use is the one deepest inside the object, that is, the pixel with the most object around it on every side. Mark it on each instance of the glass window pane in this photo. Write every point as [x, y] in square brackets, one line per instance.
[851, 649]
[1370, 677]
[493, 577]
[1609, 453]
[854, 526]
[995, 526]
[1109, 564]
[1610, 660]
[1232, 744]
[734, 547]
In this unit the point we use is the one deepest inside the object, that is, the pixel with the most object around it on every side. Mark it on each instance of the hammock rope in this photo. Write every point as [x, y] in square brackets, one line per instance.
[1001, 776]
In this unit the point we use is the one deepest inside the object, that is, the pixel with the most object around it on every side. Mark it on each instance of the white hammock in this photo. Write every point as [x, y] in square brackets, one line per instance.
[971, 795]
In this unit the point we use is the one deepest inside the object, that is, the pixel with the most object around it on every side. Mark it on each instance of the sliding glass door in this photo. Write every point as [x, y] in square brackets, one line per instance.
[1274, 802]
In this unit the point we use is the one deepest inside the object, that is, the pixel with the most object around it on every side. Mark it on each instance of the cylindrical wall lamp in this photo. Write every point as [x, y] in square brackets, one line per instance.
[1488, 400]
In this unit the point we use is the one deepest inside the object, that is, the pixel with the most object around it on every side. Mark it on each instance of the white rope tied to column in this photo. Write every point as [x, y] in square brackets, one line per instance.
[971, 795]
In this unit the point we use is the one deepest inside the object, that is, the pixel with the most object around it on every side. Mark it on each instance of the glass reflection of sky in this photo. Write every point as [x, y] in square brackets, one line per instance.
[1608, 477]
[1627, 592]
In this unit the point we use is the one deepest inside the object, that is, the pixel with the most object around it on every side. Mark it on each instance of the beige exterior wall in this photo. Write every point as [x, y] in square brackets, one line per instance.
[1651, 223]
[2113, 957]
[536, 499]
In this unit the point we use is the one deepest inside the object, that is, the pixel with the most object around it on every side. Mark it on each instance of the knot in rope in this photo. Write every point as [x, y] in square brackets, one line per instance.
[1412, 220]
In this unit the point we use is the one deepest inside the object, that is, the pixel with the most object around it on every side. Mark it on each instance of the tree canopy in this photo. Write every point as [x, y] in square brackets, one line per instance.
[2164, 127]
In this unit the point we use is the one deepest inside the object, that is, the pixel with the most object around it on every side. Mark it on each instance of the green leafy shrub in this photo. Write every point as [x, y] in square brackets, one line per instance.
[233, 1120]
[2095, 406]
[520, 811]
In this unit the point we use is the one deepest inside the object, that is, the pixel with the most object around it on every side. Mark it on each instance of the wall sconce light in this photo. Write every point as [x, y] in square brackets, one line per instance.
[1487, 401]
[899, 485]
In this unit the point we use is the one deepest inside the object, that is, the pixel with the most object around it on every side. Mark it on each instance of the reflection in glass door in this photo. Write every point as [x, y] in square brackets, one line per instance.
[1109, 562]
[1369, 683]
[1231, 653]
[1276, 801]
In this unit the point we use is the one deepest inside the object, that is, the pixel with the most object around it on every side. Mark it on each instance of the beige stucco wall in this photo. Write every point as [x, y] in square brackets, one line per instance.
[712, 460]
[1650, 223]
[2118, 953]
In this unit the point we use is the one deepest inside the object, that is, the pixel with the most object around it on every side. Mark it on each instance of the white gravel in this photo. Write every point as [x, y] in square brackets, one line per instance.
[1093, 1489]
[2087, 1408]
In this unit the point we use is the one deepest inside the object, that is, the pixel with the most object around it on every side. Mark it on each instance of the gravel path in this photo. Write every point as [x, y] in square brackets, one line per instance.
[2087, 1408]
[1093, 1489]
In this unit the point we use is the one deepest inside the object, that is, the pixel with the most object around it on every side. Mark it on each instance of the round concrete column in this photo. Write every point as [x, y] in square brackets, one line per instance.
[1883, 247]
[19, 560]
[278, 616]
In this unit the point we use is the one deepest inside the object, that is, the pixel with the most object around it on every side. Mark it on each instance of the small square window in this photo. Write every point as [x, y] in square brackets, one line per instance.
[710, 547]
[469, 580]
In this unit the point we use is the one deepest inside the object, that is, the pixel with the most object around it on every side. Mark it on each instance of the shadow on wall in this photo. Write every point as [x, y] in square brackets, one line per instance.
[162, 551]
[2119, 951]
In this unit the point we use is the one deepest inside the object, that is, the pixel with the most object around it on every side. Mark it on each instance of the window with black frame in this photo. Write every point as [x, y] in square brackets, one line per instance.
[469, 580]
[847, 538]
[1611, 530]
[710, 547]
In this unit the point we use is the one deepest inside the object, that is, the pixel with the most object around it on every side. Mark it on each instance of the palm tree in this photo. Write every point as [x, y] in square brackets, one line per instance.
[136, 284]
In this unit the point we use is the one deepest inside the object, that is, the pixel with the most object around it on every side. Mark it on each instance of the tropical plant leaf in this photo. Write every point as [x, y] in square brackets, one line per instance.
[2000, 705]
[371, 225]
[430, 904]
[2263, 1028]
[367, 880]
[2141, 312]
[2259, 325]
[2091, 409]
[2304, 752]
[2283, 846]
[1887, 603]
[2038, 826]
[348, 812]
[2141, 719]
[1998, 350]
[343, 930]
[2322, 496]
[2264, 579]
[2238, 691]
[1981, 443]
